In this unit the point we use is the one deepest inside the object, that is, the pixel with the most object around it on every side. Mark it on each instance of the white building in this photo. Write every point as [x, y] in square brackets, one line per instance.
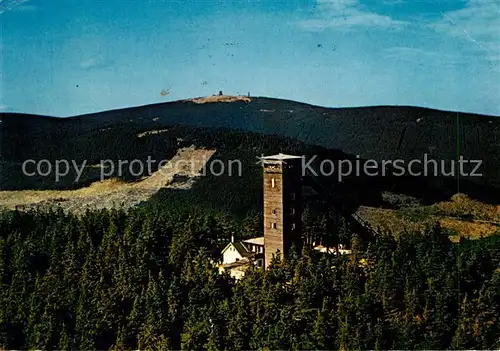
[237, 255]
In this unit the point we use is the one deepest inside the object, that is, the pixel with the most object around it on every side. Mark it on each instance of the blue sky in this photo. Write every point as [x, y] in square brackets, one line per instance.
[68, 57]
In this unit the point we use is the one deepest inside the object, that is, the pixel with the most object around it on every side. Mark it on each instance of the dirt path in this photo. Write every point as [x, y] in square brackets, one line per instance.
[186, 165]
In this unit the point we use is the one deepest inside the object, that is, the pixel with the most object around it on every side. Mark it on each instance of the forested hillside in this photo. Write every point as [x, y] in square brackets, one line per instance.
[380, 133]
[239, 193]
[143, 279]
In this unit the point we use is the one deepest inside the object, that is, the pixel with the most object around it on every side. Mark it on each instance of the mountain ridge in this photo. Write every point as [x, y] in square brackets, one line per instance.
[189, 100]
[378, 132]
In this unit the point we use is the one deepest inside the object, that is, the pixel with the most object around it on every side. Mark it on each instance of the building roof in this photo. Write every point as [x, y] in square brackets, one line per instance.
[280, 157]
[238, 264]
[240, 247]
[323, 249]
[331, 250]
[255, 241]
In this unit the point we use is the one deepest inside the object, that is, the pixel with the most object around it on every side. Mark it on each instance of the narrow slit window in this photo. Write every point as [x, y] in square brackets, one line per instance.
[274, 225]
[273, 183]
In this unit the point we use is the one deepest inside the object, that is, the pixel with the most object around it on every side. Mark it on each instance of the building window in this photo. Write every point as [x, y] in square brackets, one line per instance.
[273, 183]
[293, 211]
[274, 225]
[273, 212]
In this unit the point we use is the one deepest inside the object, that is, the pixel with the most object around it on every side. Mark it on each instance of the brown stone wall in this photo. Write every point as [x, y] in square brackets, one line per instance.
[273, 213]
[292, 206]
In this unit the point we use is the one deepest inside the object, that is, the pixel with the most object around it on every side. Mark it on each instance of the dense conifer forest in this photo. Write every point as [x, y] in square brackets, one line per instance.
[144, 279]
[138, 214]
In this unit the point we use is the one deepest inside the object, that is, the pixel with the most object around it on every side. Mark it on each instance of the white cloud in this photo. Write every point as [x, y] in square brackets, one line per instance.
[411, 54]
[97, 61]
[347, 14]
[392, 2]
[478, 23]
[24, 8]
[9, 5]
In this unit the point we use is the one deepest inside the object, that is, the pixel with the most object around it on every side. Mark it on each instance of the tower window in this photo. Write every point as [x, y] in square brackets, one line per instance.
[273, 183]
[273, 212]
[293, 226]
[293, 211]
[274, 225]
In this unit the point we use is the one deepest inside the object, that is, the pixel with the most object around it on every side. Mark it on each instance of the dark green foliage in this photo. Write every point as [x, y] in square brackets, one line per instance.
[379, 133]
[143, 279]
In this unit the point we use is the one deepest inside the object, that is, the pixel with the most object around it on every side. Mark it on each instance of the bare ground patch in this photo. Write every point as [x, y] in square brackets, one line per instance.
[186, 165]
[220, 98]
[152, 132]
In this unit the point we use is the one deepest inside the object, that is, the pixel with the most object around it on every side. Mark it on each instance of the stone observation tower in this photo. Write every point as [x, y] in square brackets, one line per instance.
[282, 205]
[283, 200]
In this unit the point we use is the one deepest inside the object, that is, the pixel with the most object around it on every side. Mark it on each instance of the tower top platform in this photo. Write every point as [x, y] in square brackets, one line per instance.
[281, 157]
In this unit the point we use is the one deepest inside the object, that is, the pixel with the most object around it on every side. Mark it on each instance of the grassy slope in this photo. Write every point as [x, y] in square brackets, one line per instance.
[460, 215]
